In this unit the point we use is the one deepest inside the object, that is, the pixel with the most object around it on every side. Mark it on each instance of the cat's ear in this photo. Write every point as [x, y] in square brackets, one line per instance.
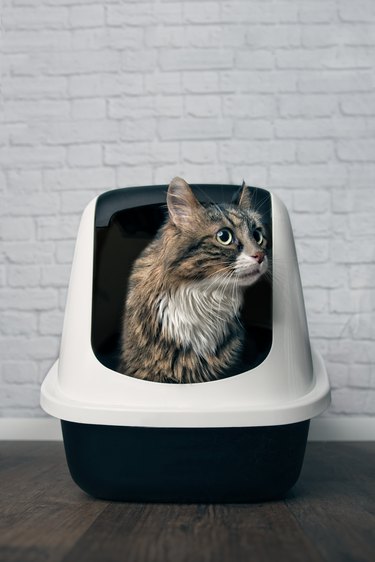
[245, 197]
[181, 201]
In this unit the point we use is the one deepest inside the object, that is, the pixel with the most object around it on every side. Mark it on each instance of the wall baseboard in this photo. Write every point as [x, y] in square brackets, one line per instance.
[339, 428]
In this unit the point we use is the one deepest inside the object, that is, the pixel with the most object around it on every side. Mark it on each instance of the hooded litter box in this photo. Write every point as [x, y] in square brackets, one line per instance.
[237, 439]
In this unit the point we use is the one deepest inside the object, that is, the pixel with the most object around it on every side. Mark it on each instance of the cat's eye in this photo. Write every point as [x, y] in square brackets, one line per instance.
[225, 236]
[258, 236]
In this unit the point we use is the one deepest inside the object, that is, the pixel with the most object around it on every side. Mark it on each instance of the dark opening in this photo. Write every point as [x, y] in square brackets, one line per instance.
[126, 220]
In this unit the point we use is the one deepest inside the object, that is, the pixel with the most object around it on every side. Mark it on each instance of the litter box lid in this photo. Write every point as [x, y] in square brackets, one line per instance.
[288, 386]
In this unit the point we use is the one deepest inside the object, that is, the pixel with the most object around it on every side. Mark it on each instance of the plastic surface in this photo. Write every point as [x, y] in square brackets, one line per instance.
[185, 465]
[289, 386]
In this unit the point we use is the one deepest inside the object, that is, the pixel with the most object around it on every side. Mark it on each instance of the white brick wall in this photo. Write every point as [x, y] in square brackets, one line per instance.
[98, 94]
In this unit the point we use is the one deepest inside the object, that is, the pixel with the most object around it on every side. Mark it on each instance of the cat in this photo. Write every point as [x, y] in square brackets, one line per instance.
[181, 319]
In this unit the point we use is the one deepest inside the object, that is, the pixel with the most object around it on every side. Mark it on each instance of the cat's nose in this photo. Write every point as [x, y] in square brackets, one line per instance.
[259, 256]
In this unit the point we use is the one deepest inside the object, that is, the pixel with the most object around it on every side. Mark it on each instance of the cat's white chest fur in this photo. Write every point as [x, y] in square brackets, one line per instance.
[199, 318]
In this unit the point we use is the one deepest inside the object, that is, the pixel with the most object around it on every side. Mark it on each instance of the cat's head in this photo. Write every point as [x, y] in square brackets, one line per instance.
[214, 244]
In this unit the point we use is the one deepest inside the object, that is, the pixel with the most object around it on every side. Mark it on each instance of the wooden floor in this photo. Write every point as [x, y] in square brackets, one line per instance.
[329, 515]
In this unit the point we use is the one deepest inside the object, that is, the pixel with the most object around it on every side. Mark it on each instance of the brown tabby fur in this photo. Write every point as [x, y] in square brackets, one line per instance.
[185, 252]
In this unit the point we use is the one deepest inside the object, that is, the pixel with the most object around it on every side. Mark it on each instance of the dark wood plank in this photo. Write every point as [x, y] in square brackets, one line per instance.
[42, 512]
[329, 515]
[334, 501]
[199, 533]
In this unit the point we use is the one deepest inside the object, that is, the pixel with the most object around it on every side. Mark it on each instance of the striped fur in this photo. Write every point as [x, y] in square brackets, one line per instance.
[185, 292]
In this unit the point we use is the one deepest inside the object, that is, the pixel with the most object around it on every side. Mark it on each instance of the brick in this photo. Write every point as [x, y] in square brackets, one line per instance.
[55, 275]
[142, 106]
[20, 396]
[19, 372]
[103, 85]
[3, 181]
[200, 82]
[259, 37]
[129, 153]
[253, 129]
[125, 14]
[69, 132]
[204, 37]
[249, 106]
[316, 12]
[17, 323]
[363, 11]
[195, 173]
[351, 301]
[141, 152]
[202, 12]
[258, 81]
[134, 175]
[326, 325]
[53, 228]
[138, 61]
[311, 176]
[256, 175]
[138, 129]
[316, 300]
[348, 201]
[317, 36]
[27, 252]
[304, 58]
[13, 228]
[203, 106]
[327, 81]
[21, 180]
[51, 323]
[100, 38]
[87, 16]
[161, 36]
[315, 151]
[30, 18]
[261, 59]
[82, 62]
[28, 41]
[38, 157]
[358, 104]
[311, 201]
[33, 204]
[64, 251]
[199, 152]
[74, 201]
[33, 299]
[338, 374]
[348, 401]
[356, 150]
[311, 225]
[37, 347]
[195, 59]
[316, 105]
[23, 275]
[362, 276]
[29, 110]
[324, 276]
[185, 129]
[360, 376]
[91, 178]
[86, 155]
[26, 87]
[303, 128]
[314, 250]
[88, 109]
[259, 12]
[351, 251]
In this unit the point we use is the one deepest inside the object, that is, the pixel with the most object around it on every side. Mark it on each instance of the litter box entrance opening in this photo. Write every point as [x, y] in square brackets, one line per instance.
[126, 222]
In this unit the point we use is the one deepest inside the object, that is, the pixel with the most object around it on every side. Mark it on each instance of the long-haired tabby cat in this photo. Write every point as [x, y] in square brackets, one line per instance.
[186, 289]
